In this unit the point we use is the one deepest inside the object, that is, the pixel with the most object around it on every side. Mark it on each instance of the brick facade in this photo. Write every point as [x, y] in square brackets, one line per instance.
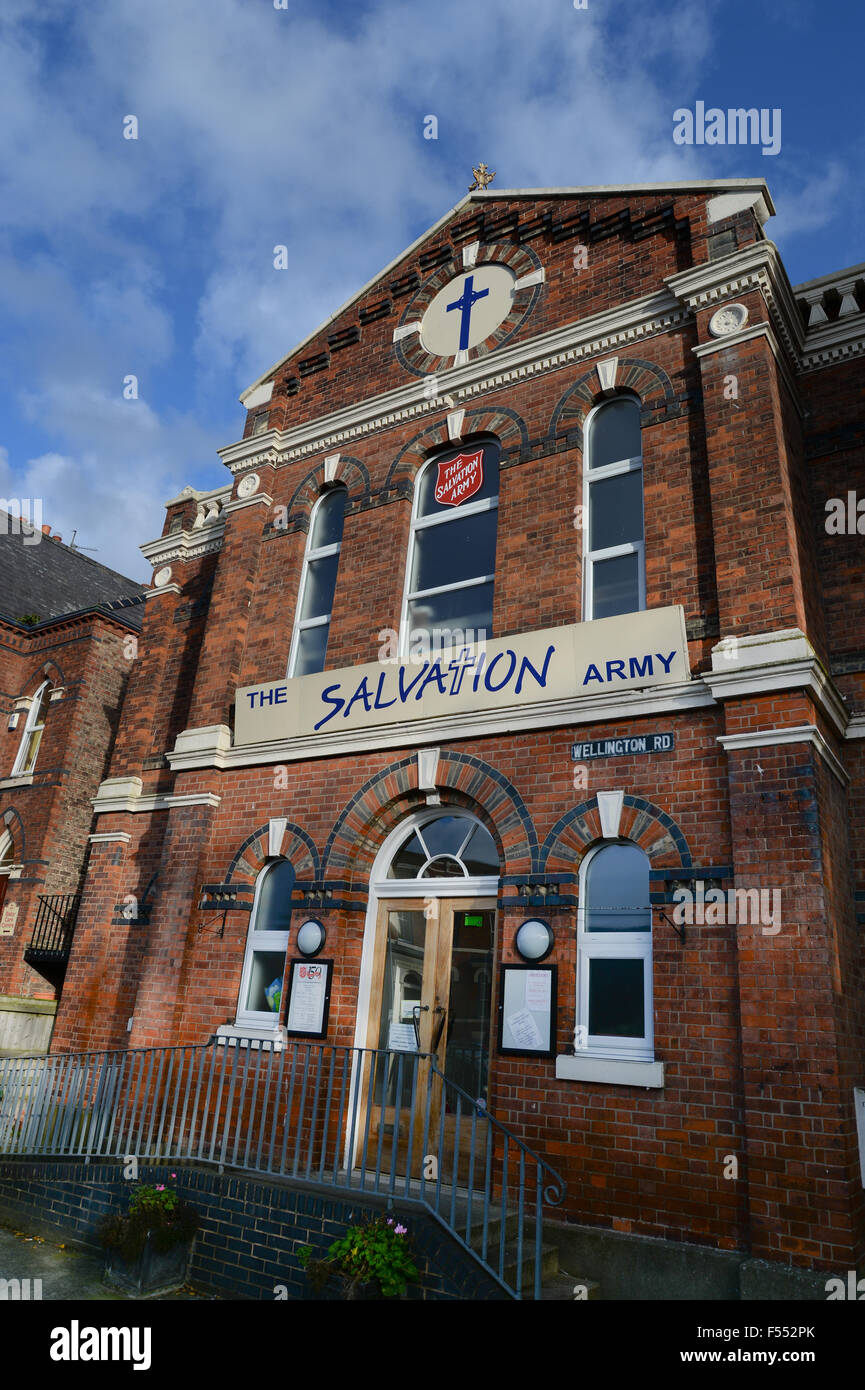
[744, 442]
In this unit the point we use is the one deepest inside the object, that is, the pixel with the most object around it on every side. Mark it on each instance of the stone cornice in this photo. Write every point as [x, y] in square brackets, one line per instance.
[759, 267]
[756, 267]
[549, 352]
[799, 733]
[184, 545]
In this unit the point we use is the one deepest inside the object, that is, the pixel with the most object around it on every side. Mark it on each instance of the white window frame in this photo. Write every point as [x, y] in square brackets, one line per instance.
[30, 727]
[419, 523]
[318, 553]
[611, 946]
[260, 941]
[594, 475]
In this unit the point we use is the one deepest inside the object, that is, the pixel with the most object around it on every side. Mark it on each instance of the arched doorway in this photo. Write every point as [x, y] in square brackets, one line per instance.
[427, 969]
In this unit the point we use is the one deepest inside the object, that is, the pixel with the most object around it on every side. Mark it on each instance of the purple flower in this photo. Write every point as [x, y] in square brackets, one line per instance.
[390, 1221]
[400, 1230]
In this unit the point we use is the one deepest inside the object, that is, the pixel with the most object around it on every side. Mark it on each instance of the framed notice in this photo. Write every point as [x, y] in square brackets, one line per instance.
[527, 1010]
[308, 998]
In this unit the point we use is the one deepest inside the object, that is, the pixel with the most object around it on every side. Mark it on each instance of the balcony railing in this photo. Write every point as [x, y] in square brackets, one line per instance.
[52, 935]
[361, 1119]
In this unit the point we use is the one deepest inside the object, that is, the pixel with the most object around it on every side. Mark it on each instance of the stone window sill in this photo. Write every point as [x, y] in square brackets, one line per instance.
[616, 1071]
[230, 1034]
[24, 780]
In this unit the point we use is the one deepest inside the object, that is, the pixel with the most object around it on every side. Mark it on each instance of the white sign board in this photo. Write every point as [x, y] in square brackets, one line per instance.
[598, 658]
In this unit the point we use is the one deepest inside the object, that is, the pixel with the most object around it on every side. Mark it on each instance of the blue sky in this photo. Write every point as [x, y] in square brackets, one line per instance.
[304, 126]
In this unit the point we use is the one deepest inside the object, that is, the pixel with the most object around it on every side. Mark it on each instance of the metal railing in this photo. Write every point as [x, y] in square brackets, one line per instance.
[362, 1119]
[55, 924]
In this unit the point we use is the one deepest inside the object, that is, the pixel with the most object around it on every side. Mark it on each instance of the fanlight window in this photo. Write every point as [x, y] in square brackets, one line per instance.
[446, 847]
[614, 573]
[317, 584]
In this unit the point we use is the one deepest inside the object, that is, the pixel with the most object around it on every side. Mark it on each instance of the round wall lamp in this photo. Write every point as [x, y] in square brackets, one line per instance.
[310, 937]
[534, 939]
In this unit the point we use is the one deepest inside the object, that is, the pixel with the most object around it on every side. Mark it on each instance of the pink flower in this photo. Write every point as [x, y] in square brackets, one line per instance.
[400, 1230]
[160, 1187]
[174, 1175]
[390, 1221]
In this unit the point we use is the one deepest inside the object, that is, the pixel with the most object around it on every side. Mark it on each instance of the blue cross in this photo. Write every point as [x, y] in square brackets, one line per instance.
[464, 304]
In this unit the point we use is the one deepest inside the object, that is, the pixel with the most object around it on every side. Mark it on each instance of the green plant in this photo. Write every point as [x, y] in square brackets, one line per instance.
[373, 1251]
[154, 1210]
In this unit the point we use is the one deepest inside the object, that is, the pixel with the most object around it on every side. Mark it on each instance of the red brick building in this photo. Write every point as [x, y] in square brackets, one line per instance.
[68, 636]
[594, 435]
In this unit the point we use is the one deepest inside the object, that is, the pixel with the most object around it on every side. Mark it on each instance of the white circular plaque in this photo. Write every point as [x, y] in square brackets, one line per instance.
[161, 577]
[468, 310]
[248, 485]
[728, 320]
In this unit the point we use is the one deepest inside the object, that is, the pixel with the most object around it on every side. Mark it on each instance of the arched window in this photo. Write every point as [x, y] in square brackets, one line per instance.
[452, 549]
[614, 953]
[614, 573]
[317, 584]
[32, 736]
[266, 947]
[6, 859]
[446, 846]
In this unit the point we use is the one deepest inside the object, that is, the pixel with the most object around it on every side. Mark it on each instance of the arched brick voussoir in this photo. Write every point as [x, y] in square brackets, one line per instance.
[646, 379]
[508, 427]
[297, 846]
[351, 472]
[462, 781]
[647, 825]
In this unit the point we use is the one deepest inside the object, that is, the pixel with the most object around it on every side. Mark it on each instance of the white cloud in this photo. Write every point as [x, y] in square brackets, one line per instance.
[261, 127]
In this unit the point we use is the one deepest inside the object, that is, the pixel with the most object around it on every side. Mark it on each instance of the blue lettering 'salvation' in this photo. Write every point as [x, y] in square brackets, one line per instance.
[494, 676]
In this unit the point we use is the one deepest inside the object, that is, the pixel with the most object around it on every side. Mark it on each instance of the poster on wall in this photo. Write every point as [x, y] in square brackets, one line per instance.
[308, 998]
[527, 1010]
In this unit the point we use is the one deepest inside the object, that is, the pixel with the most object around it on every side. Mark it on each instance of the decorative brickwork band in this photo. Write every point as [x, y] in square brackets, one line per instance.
[508, 427]
[463, 781]
[647, 380]
[354, 476]
[296, 846]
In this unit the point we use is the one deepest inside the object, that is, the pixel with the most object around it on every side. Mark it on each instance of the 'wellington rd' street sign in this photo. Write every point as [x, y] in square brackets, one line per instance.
[620, 747]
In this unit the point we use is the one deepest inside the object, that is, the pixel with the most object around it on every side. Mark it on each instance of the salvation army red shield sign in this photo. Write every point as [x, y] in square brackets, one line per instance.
[459, 478]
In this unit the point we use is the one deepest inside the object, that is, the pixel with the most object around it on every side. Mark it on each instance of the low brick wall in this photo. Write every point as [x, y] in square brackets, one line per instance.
[246, 1246]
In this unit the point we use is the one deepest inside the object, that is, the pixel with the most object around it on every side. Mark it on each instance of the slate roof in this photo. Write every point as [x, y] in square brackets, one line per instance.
[53, 580]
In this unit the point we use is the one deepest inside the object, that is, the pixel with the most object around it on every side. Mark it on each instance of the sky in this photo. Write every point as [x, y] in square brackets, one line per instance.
[301, 123]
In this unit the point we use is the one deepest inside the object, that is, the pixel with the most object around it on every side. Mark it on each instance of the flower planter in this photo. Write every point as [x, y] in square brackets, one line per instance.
[153, 1272]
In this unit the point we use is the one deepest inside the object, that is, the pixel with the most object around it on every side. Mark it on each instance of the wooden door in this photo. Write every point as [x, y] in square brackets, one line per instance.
[430, 1004]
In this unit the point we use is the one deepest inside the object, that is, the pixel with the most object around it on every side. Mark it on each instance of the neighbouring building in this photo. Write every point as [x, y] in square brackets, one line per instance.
[526, 631]
[68, 637]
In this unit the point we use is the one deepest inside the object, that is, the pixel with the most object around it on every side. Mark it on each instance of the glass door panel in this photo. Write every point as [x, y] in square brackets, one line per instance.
[432, 984]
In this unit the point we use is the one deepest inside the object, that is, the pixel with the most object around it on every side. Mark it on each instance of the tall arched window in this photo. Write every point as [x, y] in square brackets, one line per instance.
[266, 947]
[614, 573]
[32, 735]
[614, 953]
[452, 550]
[317, 584]
[6, 858]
